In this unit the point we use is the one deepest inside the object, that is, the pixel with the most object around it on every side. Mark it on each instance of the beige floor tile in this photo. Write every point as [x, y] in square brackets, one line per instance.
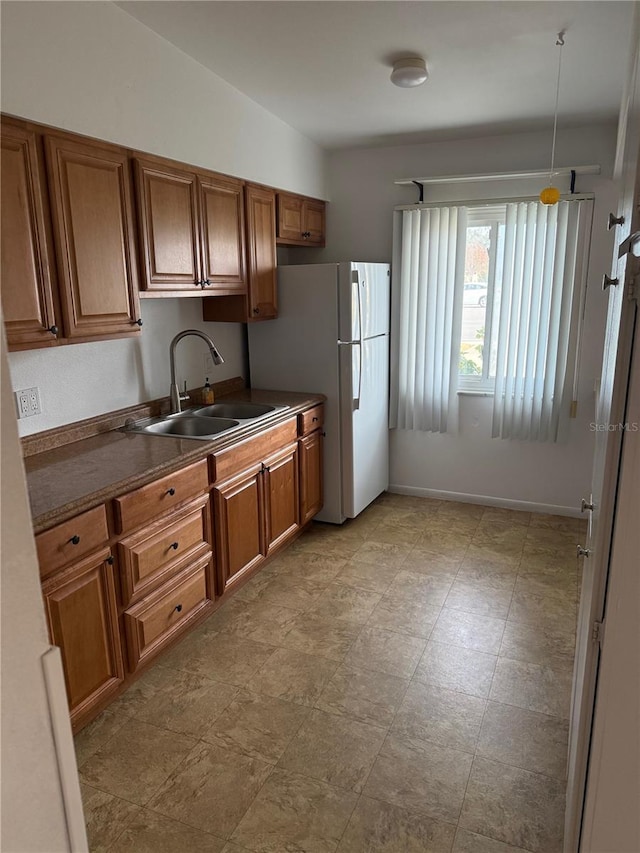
[554, 608]
[492, 554]
[364, 695]
[293, 677]
[414, 519]
[558, 584]
[221, 657]
[374, 578]
[452, 510]
[515, 806]
[386, 651]
[432, 713]
[407, 502]
[382, 554]
[326, 544]
[426, 588]
[212, 789]
[378, 827]
[508, 539]
[319, 568]
[345, 603]
[333, 749]
[457, 668]
[493, 514]
[421, 777]
[325, 638]
[392, 533]
[99, 731]
[294, 813]
[559, 540]
[550, 645]
[281, 590]
[105, 816]
[471, 842]
[441, 539]
[476, 570]
[562, 523]
[179, 701]
[437, 566]
[230, 847]
[149, 832]
[405, 616]
[254, 620]
[257, 726]
[470, 630]
[532, 686]
[479, 597]
[562, 556]
[135, 764]
[525, 739]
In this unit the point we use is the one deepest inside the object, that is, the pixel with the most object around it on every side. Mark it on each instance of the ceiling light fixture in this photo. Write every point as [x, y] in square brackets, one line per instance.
[551, 194]
[409, 72]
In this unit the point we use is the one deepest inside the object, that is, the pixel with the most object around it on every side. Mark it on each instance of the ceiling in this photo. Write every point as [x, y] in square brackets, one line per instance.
[323, 67]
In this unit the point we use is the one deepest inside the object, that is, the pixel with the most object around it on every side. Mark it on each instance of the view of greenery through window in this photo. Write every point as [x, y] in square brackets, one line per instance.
[474, 303]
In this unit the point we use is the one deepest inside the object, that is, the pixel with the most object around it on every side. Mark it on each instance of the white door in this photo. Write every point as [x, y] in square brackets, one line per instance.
[610, 412]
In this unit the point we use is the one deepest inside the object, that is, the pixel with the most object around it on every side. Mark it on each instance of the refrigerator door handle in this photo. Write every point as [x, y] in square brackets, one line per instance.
[355, 280]
[355, 400]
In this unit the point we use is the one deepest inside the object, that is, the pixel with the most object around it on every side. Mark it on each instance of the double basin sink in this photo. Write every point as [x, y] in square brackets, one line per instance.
[205, 422]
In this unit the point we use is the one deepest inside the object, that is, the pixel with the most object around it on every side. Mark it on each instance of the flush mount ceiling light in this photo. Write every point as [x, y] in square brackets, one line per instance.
[409, 72]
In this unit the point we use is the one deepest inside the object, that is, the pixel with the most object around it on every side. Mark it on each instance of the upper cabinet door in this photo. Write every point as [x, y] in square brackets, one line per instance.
[262, 260]
[313, 221]
[222, 220]
[169, 227]
[92, 210]
[27, 267]
[289, 217]
[301, 221]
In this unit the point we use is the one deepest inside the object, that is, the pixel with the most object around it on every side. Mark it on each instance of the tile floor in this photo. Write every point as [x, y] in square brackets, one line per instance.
[398, 684]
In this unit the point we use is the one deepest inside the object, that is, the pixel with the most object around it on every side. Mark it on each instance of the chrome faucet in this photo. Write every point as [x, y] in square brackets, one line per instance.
[174, 393]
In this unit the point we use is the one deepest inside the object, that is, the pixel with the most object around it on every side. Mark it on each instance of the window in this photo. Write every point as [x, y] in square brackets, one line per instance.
[483, 300]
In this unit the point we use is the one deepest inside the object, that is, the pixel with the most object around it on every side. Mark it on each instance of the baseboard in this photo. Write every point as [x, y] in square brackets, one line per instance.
[487, 500]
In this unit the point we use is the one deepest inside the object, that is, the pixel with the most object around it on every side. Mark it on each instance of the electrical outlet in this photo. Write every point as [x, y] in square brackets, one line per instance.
[208, 364]
[28, 402]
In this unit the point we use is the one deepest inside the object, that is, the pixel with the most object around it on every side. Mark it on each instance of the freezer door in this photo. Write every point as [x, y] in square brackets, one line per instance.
[364, 300]
[364, 377]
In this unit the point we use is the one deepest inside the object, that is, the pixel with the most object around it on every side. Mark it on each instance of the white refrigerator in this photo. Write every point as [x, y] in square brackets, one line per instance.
[332, 337]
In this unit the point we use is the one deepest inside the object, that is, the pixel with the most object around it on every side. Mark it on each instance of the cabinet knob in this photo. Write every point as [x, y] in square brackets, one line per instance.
[136, 322]
[256, 310]
[178, 607]
[74, 539]
[314, 420]
[53, 330]
[171, 491]
[174, 545]
[614, 220]
[110, 561]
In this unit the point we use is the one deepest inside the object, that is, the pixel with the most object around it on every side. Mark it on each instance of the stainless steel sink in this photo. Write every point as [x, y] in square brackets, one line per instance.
[241, 411]
[186, 427]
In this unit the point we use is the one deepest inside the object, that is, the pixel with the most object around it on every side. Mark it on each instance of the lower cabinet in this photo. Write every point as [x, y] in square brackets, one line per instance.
[311, 484]
[83, 621]
[282, 503]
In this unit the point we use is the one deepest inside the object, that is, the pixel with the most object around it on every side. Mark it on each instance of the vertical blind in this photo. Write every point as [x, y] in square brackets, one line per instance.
[429, 254]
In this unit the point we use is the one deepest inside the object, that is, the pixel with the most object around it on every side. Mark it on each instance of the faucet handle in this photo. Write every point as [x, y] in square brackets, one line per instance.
[184, 396]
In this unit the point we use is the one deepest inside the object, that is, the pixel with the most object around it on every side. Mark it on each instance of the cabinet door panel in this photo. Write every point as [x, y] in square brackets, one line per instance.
[81, 608]
[239, 513]
[311, 484]
[93, 227]
[27, 274]
[281, 496]
[261, 219]
[313, 221]
[223, 235]
[289, 217]
[167, 201]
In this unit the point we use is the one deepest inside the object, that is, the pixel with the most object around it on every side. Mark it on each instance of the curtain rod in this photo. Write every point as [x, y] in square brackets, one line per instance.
[489, 202]
[497, 176]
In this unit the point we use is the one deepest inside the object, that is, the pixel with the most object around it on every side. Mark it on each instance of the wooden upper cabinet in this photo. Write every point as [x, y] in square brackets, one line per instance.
[169, 227]
[223, 245]
[92, 209]
[27, 266]
[301, 221]
[261, 217]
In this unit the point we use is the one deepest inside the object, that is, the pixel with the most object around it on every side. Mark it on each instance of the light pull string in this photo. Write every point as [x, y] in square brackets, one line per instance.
[560, 44]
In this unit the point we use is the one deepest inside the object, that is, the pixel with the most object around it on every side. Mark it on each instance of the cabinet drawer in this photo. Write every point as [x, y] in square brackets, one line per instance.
[159, 617]
[156, 552]
[71, 540]
[233, 460]
[149, 501]
[310, 420]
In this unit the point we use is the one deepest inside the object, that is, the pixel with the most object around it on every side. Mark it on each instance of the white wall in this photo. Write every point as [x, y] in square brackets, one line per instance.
[91, 68]
[471, 463]
[33, 814]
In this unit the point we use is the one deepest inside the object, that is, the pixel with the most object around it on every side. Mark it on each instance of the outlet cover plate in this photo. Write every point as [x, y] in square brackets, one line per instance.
[28, 402]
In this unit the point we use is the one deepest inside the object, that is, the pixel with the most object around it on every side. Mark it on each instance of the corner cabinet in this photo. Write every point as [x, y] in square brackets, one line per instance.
[259, 302]
[301, 221]
[191, 227]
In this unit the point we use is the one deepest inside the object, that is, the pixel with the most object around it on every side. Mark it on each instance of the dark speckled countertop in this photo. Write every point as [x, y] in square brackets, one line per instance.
[72, 478]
